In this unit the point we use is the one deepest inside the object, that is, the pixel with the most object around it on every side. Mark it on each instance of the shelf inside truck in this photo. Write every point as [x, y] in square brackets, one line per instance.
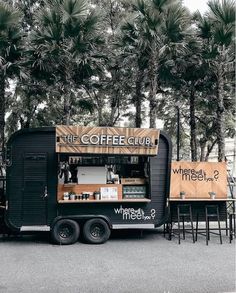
[105, 201]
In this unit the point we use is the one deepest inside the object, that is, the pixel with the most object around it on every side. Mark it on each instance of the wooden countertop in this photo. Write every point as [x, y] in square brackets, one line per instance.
[105, 201]
[202, 199]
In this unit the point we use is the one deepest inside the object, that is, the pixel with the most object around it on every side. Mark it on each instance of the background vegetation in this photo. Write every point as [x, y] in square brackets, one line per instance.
[99, 62]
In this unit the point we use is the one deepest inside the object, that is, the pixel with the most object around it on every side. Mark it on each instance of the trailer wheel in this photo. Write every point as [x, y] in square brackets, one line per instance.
[96, 231]
[65, 232]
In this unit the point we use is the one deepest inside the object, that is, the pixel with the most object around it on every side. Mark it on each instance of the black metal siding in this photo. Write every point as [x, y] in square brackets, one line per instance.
[22, 143]
[34, 206]
[160, 179]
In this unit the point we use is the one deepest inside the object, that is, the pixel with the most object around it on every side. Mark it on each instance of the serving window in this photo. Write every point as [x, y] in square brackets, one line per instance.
[83, 178]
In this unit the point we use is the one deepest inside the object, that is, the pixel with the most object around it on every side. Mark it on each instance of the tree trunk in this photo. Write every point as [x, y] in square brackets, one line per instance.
[153, 88]
[2, 114]
[99, 109]
[220, 116]
[152, 113]
[209, 150]
[115, 99]
[193, 136]
[113, 112]
[138, 98]
[66, 111]
[202, 149]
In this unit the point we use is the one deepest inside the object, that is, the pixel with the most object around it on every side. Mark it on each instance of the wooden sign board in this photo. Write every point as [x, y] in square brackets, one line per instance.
[197, 179]
[107, 140]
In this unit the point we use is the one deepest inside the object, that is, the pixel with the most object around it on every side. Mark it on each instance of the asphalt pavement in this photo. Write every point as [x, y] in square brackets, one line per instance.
[128, 262]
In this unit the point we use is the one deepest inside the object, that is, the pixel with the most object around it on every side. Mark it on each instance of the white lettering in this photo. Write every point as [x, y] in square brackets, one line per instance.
[94, 139]
[109, 139]
[139, 216]
[130, 140]
[132, 214]
[115, 139]
[122, 140]
[103, 139]
[126, 216]
[148, 141]
[85, 139]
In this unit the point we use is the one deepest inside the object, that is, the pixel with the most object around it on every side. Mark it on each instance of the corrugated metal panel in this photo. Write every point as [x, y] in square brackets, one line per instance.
[25, 144]
[35, 182]
[160, 179]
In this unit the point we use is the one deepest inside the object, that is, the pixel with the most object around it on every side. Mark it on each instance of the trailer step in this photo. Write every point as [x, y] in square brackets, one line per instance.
[35, 228]
[133, 226]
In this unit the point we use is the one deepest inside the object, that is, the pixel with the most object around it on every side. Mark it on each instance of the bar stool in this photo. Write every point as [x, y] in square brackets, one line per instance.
[211, 211]
[167, 229]
[232, 221]
[185, 211]
[231, 226]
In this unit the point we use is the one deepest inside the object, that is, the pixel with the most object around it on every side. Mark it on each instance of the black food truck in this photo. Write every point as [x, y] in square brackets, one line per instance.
[72, 179]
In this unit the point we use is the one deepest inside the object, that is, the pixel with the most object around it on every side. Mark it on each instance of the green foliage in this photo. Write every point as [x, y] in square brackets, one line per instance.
[10, 36]
[102, 62]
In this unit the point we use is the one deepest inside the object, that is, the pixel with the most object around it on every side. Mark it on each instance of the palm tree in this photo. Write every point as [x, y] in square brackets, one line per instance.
[10, 55]
[222, 17]
[162, 25]
[217, 28]
[65, 47]
[138, 57]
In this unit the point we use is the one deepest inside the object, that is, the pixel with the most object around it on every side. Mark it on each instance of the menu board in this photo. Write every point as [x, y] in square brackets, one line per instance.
[109, 193]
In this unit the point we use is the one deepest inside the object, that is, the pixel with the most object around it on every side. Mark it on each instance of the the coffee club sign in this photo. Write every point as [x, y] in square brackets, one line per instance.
[113, 140]
[198, 179]
[107, 140]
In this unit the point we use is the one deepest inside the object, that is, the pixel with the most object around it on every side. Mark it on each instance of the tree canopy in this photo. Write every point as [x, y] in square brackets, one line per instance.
[116, 62]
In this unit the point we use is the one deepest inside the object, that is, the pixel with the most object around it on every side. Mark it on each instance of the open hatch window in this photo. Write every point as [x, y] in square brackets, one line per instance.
[101, 177]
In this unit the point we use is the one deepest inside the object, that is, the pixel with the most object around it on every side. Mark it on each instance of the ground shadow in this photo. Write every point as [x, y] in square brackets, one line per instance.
[44, 237]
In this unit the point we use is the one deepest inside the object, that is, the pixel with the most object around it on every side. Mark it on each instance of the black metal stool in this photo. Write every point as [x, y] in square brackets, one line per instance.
[184, 211]
[232, 221]
[232, 225]
[166, 226]
[211, 211]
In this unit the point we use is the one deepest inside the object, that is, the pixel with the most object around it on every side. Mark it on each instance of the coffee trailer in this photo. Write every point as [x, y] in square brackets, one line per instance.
[67, 179]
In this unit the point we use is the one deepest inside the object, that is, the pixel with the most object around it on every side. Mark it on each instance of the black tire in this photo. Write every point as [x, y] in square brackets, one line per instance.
[65, 232]
[96, 231]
